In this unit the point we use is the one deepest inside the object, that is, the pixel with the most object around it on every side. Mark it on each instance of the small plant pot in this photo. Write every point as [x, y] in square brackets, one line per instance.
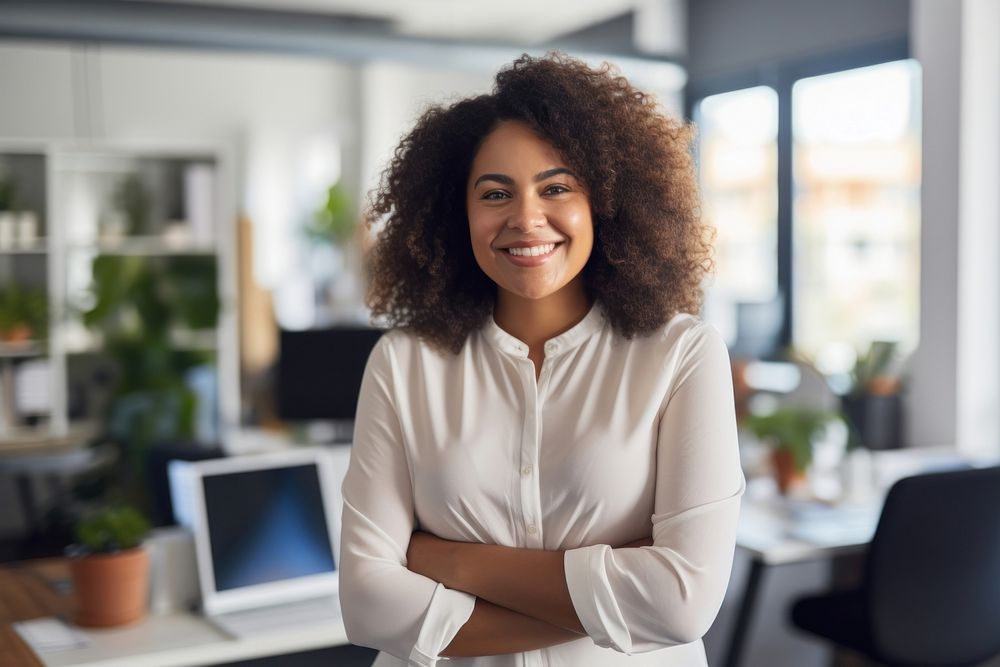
[876, 419]
[786, 474]
[111, 589]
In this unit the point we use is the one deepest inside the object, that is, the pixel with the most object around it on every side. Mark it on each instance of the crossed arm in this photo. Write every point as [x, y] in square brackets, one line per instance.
[523, 602]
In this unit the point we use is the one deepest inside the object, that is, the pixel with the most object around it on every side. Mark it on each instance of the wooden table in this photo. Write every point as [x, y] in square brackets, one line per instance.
[30, 590]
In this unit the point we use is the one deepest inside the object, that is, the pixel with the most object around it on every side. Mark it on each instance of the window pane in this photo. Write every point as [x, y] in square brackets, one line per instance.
[856, 211]
[738, 160]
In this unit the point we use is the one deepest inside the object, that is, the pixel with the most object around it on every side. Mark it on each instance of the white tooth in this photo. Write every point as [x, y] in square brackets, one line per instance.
[532, 252]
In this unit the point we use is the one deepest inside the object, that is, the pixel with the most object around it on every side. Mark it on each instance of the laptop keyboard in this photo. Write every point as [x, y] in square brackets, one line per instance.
[279, 618]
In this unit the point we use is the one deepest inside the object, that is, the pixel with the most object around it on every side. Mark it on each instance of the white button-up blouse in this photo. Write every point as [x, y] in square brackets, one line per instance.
[617, 440]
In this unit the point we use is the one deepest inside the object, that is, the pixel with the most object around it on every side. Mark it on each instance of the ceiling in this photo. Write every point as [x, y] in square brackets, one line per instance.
[510, 21]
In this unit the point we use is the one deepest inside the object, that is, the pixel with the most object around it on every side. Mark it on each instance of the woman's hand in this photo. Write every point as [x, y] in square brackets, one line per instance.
[433, 557]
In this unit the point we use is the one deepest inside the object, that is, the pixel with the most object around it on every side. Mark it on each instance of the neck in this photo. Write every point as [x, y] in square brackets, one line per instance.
[535, 321]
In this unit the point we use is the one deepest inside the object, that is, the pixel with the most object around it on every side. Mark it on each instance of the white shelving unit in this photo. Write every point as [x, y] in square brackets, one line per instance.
[79, 181]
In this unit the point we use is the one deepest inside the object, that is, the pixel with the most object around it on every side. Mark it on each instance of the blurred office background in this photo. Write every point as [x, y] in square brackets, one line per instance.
[181, 182]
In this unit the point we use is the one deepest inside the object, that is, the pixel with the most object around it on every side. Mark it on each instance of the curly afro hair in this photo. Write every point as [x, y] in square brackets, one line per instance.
[650, 252]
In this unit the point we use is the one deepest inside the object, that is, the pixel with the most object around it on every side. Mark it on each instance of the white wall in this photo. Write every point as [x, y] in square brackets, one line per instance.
[978, 392]
[930, 407]
[954, 395]
[38, 91]
[393, 97]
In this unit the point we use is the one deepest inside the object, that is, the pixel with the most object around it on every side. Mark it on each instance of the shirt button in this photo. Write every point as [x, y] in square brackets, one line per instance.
[532, 529]
[526, 470]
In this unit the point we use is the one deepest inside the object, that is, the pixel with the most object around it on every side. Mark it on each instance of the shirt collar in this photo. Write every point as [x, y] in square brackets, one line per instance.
[591, 323]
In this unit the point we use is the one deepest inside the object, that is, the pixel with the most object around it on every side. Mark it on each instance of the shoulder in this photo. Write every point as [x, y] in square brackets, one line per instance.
[401, 347]
[693, 335]
[682, 336]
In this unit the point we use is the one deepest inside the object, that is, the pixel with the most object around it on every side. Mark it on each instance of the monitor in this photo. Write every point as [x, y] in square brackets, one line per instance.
[758, 329]
[320, 370]
[265, 526]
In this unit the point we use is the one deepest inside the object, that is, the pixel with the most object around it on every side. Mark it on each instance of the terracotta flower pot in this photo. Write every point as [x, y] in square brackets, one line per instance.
[19, 333]
[785, 472]
[111, 589]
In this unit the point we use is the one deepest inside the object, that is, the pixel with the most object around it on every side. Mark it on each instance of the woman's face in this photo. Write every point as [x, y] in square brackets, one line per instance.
[522, 196]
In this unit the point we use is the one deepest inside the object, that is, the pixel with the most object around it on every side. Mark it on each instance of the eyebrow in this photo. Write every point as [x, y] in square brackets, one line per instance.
[539, 177]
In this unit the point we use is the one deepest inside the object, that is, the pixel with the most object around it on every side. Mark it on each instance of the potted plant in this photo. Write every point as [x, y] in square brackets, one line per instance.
[23, 314]
[140, 304]
[872, 405]
[110, 567]
[789, 431]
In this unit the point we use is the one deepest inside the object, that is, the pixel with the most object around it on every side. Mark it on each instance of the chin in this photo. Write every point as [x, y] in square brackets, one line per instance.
[532, 293]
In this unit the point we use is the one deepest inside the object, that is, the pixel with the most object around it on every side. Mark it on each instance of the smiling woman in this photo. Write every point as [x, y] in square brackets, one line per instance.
[545, 468]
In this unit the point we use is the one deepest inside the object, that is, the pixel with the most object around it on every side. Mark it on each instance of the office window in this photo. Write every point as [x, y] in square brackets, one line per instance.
[738, 162]
[856, 210]
[813, 186]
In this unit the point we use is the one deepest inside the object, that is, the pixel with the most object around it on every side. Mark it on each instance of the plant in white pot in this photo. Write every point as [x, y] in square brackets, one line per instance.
[110, 567]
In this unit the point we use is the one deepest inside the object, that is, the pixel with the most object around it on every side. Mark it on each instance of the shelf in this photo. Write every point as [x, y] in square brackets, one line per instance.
[145, 245]
[40, 247]
[26, 349]
[186, 340]
[75, 192]
[44, 440]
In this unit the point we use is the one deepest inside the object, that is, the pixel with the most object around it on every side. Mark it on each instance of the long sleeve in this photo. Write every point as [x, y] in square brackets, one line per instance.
[385, 605]
[640, 600]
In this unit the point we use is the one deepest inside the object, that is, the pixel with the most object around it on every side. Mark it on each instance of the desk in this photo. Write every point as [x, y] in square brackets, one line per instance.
[30, 590]
[774, 531]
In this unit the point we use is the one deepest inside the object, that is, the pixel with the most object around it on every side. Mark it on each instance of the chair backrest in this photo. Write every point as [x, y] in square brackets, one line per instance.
[933, 570]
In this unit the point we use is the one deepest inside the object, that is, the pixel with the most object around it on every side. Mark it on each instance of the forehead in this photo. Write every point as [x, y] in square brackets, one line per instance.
[513, 145]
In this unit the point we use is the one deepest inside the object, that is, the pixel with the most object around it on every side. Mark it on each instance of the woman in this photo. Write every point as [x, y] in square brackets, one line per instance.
[545, 468]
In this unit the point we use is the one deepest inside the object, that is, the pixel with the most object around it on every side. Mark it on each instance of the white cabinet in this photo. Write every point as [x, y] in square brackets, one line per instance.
[162, 214]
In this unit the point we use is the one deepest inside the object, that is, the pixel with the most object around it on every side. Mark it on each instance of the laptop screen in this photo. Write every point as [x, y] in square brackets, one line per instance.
[266, 525]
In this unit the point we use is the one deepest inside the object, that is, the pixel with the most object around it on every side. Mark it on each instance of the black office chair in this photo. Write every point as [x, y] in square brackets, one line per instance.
[931, 585]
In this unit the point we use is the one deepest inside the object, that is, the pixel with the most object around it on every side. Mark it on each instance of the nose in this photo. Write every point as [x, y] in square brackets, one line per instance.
[526, 215]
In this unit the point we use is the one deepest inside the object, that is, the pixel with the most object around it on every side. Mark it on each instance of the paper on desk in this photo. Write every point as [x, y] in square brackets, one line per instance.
[44, 635]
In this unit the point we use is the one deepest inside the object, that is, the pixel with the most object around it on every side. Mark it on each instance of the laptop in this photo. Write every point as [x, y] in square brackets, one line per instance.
[266, 537]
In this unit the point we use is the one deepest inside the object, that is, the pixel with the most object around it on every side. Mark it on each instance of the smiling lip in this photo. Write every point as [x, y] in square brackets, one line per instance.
[528, 260]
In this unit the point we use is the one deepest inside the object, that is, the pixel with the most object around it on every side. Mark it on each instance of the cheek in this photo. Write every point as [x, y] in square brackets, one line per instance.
[582, 230]
[480, 238]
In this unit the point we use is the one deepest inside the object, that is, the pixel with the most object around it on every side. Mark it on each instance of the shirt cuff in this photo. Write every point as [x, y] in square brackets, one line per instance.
[590, 591]
[446, 614]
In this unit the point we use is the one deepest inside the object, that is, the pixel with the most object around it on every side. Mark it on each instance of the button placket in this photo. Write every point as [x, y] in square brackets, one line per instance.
[530, 500]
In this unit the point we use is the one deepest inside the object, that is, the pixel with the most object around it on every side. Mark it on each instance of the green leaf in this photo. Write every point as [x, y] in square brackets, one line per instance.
[792, 428]
[111, 528]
